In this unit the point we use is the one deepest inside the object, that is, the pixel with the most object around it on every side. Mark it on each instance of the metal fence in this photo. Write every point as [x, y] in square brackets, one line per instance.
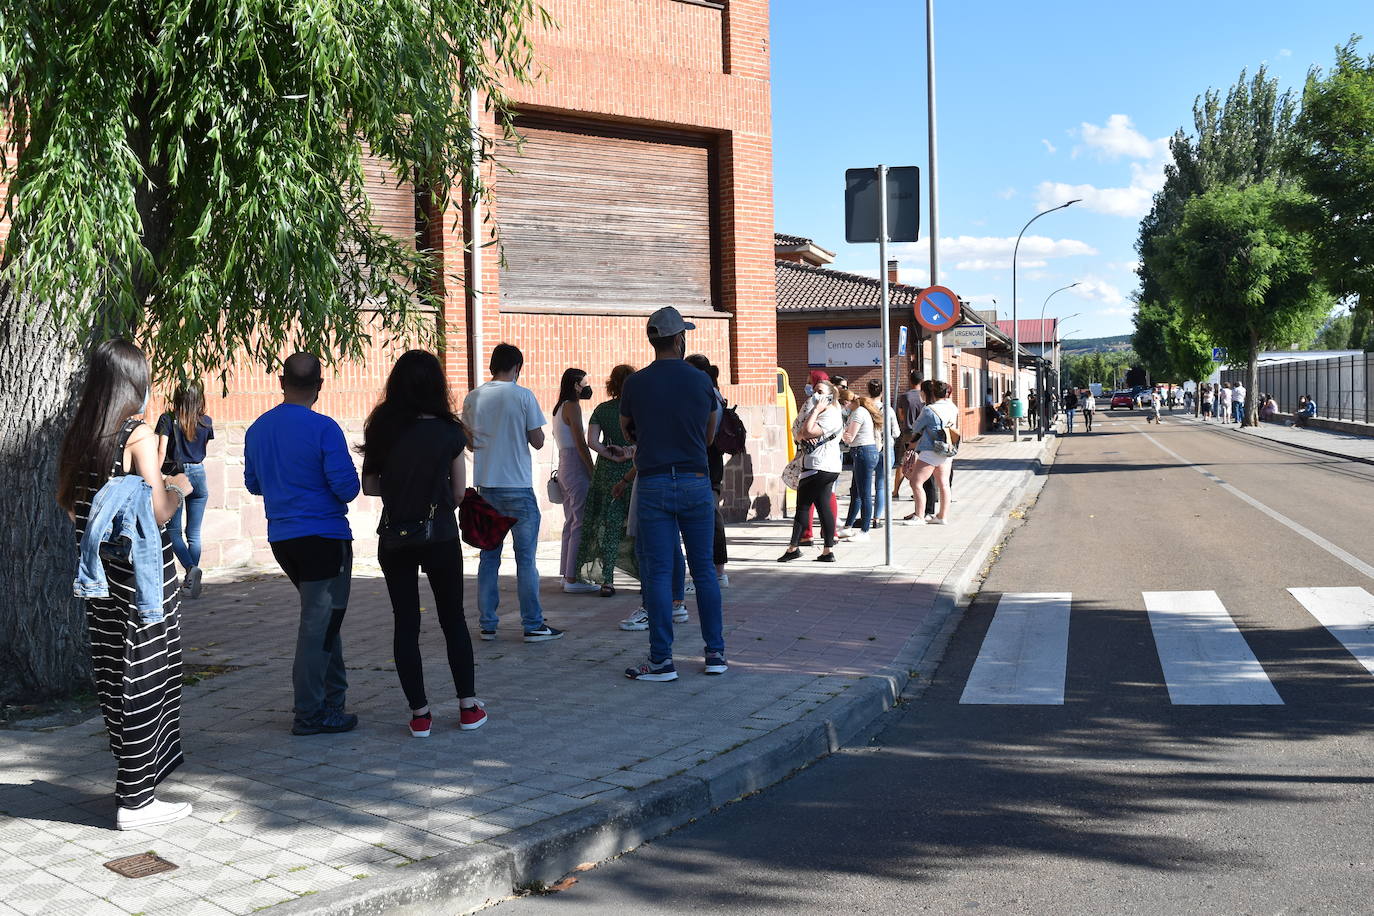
[1341, 386]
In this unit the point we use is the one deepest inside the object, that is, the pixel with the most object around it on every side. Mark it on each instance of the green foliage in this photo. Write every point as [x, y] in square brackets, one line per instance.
[1245, 277]
[1151, 322]
[1334, 157]
[1105, 366]
[1170, 343]
[190, 171]
[1116, 342]
[1336, 334]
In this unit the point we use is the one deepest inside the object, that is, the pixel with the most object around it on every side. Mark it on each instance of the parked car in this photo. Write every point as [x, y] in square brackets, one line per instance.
[1122, 399]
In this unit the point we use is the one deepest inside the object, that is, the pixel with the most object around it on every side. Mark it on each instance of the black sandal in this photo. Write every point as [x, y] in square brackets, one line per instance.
[607, 591]
[790, 555]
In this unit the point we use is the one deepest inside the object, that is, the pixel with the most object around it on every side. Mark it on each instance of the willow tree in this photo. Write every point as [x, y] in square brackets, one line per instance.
[189, 173]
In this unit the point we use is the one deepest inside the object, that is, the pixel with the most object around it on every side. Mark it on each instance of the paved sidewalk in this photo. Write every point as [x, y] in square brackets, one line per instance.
[576, 762]
[1324, 441]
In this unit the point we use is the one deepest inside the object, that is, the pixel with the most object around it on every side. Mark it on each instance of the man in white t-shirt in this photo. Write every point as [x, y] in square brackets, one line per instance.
[504, 421]
[1238, 402]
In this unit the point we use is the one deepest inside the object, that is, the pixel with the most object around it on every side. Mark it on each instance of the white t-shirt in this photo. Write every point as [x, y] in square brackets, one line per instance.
[1238, 394]
[1089, 403]
[499, 415]
[827, 457]
[863, 420]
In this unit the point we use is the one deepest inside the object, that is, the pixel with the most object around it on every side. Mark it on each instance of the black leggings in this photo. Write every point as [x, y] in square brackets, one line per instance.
[815, 491]
[443, 564]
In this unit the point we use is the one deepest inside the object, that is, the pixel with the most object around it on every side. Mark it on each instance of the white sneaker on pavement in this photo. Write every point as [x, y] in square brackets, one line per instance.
[579, 588]
[153, 814]
[724, 580]
[844, 533]
[936, 521]
[690, 587]
[859, 537]
[912, 522]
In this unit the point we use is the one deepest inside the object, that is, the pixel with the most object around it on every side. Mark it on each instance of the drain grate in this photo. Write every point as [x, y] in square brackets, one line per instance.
[140, 866]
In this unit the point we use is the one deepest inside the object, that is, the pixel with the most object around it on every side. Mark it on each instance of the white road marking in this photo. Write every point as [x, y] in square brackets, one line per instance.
[1348, 613]
[1025, 654]
[1205, 658]
[1341, 554]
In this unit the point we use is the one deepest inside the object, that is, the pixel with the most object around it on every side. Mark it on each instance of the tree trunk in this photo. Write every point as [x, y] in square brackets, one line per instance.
[1251, 415]
[42, 627]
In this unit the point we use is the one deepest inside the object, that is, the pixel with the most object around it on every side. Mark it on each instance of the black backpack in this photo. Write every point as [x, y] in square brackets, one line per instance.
[730, 434]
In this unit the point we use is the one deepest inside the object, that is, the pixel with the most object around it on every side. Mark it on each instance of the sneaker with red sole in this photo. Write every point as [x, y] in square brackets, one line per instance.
[421, 725]
[472, 717]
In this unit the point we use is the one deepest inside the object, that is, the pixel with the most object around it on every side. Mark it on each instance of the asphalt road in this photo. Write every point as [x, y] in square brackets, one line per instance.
[1117, 799]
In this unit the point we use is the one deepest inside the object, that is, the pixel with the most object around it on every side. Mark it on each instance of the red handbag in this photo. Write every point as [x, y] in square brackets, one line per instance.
[483, 527]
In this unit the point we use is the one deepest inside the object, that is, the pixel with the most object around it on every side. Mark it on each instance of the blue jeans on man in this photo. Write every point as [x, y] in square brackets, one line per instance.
[186, 523]
[1069, 412]
[518, 503]
[1239, 409]
[675, 507]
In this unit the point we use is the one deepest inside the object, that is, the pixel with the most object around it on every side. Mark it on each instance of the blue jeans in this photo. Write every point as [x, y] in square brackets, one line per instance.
[675, 508]
[1069, 412]
[1239, 409]
[187, 549]
[518, 503]
[866, 463]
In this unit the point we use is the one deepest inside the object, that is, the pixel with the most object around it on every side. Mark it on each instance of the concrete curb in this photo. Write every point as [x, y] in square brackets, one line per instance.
[485, 873]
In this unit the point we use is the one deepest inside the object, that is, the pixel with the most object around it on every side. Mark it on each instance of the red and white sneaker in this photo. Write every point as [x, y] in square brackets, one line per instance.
[420, 725]
[472, 717]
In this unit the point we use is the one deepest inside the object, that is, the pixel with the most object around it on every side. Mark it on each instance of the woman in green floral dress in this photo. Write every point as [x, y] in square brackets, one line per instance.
[605, 545]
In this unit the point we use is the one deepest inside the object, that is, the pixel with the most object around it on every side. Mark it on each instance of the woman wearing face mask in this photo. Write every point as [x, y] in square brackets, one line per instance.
[110, 482]
[574, 472]
[817, 432]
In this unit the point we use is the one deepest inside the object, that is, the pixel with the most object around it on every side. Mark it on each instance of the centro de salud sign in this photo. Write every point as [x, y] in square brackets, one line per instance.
[829, 347]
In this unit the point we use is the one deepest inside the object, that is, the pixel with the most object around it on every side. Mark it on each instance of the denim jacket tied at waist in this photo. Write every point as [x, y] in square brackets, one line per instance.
[122, 523]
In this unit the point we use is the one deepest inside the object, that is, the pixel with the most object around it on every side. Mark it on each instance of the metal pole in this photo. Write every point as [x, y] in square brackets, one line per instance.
[1015, 324]
[938, 339]
[884, 464]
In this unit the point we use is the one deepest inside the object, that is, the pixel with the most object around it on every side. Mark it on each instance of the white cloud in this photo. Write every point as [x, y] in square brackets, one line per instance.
[1124, 266]
[1095, 289]
[1132, 201]
[967, 252]
[1007, 193]
[1050, 147]
[1285, 52]
[1118, 137]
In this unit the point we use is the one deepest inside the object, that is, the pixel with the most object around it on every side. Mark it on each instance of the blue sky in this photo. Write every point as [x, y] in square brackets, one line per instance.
[1037, 103]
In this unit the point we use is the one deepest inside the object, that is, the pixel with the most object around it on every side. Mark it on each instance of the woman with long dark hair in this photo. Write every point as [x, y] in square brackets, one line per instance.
[135, 646]
[413, 459]
[605, 542]
[574, 472]
[183, 434]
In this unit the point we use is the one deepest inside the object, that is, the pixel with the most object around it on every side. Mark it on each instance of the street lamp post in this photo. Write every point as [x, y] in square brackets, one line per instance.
[1015, 324]
[1044, 401]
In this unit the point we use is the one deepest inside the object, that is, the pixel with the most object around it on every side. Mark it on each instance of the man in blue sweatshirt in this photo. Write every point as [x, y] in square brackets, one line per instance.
[298, 462]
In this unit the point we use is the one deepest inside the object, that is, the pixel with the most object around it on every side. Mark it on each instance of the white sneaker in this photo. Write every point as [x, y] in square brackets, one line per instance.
[639, 620]
[690, 587]
[936, 521]
[680, 613]
[845, 533]
[859, 537]
[912, 522]
[724, 580]
[579, 588]
[153, 814]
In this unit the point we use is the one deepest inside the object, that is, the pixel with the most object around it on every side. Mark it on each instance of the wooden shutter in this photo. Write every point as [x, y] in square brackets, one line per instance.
[600, 217]
[393, 202]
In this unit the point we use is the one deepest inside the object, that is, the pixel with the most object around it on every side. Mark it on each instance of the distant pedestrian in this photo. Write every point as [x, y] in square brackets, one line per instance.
[892, 431]
[1307, 409]
[860, 434]
[1224, 404]
[1238, 403]
[817, 433]
[908, 409]
[1268, 408]
[607, 509]
[671, 411]
[1088, 404]
[938, 420]
[297, 460]
[1070, 408]
[503, 422]
[110, 482]
[716, 459]
[1208, 402]
[183, 433]
[1152, 404]
[817, 376]
[574, 472]
[413, 459]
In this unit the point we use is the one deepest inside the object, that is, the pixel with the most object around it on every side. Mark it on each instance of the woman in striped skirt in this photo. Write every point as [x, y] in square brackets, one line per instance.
[137, 664]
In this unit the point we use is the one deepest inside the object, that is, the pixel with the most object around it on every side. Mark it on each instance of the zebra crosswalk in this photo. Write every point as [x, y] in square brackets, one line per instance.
[1204, 656]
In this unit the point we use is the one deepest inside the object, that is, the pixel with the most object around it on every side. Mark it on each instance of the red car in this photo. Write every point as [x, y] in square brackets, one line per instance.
[1122, 399]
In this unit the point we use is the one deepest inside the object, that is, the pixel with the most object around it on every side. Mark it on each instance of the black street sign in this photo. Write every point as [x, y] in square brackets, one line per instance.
[903, 204]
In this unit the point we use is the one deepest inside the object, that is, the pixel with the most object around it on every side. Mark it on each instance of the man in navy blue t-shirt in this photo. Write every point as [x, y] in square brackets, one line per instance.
[669, 410]
[298, 461]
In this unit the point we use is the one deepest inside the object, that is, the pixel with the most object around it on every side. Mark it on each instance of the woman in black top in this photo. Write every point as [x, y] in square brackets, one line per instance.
[183, 433]
[413, 459]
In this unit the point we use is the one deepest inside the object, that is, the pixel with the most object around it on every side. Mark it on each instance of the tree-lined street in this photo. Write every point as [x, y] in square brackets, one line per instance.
[1119, 798]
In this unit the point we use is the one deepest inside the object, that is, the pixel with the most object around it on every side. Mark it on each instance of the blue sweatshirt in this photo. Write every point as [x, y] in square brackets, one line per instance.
[298, 462]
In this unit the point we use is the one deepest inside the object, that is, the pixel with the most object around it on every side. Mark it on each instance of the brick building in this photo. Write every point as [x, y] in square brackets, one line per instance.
[644, 178]
[831, 319]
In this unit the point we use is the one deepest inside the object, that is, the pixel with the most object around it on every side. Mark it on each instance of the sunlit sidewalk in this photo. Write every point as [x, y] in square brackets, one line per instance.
[328, 817]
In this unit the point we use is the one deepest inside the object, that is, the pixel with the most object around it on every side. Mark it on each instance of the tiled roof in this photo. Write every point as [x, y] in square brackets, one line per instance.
[803, 288]
[1033, 330]
[780, 239]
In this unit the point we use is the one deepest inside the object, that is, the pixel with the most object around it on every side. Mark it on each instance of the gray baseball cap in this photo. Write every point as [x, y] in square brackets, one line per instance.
[667, 321]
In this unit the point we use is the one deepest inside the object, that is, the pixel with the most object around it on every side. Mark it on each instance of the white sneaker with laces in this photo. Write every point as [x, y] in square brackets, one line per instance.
[639, 620]
[680, 613]
[845, 534]
[936, 521]
[912, 522]
[153, 814]
[859, 537]
[724, 580]
[579, 588]
[690, 587]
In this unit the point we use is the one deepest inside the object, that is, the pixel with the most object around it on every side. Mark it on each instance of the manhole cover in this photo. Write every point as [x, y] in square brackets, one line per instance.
[140, 866]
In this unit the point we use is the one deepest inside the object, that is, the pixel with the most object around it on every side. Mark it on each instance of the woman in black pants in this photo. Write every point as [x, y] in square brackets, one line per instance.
[413, 459]
[818, 438]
